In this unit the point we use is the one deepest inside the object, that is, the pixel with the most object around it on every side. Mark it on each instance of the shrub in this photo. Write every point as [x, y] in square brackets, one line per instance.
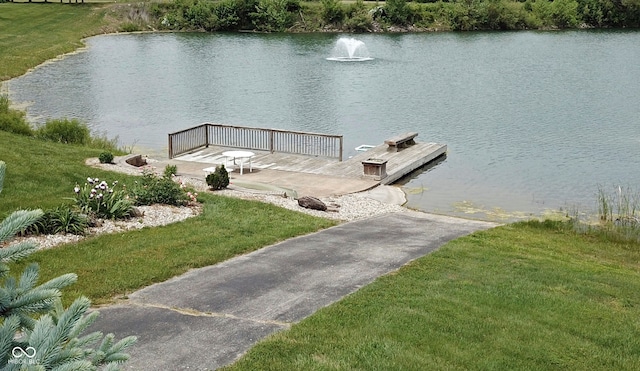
[97, 198]
[332, 11]
[397, 12]
[359, 19]
[219, 179]
[200, 15]
[228, 14]
[106, 158]
[129, 27]
[156, 190]
[273, 15]
[170, 171]
[13, 121]
[64, 131]
[62, 219]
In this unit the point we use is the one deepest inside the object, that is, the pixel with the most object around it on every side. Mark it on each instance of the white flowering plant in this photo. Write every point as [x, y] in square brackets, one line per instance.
[103, 200]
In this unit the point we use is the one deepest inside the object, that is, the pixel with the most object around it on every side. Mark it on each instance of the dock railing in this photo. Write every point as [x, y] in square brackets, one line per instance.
[272, 140]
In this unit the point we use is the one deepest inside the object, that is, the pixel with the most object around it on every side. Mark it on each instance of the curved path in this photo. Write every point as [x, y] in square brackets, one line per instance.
[209, 317]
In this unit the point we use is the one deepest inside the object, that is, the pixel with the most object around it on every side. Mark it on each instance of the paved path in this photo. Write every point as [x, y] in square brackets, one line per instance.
[209, 317]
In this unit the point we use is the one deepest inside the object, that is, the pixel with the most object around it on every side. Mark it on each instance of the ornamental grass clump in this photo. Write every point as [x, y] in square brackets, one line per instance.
[61, 219]
[99, 199]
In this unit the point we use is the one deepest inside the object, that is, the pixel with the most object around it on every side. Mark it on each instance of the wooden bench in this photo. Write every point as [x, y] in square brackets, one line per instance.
[401, 141]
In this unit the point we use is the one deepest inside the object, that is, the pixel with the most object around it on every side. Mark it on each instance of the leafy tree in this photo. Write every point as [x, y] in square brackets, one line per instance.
[358, 18]
[397, 12]
[274, 15]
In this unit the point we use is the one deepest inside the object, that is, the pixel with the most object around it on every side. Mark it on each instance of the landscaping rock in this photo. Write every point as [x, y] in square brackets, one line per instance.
[137, 213]
[312, 203]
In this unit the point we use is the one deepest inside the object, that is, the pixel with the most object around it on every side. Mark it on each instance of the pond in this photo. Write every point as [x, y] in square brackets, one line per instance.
[534, 121]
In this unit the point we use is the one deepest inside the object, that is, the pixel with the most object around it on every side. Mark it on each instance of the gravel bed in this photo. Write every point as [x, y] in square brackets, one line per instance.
[346, 208]
[153, 216]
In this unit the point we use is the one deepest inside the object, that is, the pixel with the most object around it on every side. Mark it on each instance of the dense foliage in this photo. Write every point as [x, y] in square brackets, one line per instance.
[219, 179]
[64, 131]
[154, 189]
[463, 15]
[60, 219]
[12, 120]
[106, 158]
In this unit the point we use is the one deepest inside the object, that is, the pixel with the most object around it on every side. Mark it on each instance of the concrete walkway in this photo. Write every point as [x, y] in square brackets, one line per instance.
[209, 317]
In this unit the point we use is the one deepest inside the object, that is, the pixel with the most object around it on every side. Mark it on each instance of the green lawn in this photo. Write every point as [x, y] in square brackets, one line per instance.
[34, 33]
[42, 174]
[518, 297]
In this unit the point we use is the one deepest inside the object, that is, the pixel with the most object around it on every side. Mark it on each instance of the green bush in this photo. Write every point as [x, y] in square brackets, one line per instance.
[130, 27]
[228, 14]
[106, 158]
[64, 131]
[97, 198]
[332, 11]
[358, 18]
[397, 12]
[12, 120]
[273, 15]
[219, 179]
[158, 190]
[62, 219]
[170, 171]
[565, 13]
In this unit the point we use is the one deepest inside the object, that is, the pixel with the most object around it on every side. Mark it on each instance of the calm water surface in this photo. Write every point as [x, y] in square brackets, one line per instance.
[533, 120]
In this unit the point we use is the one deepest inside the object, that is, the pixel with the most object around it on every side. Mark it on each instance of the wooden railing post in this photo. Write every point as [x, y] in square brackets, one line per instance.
[271, 146]
[170, 146]
[206, 135]
[340, 157]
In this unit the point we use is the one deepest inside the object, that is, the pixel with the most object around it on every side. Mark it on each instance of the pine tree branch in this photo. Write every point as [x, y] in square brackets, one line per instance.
[16, 222]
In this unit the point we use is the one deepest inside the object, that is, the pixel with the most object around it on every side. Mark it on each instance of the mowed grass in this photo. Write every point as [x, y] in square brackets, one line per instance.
[529, 296]
[34, 33]
[42, 174]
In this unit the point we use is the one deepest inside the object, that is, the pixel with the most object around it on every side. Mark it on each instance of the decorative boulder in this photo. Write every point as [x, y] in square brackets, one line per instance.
[312, 203]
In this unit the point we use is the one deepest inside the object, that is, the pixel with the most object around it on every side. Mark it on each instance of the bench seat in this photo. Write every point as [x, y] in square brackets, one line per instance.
[401, 141]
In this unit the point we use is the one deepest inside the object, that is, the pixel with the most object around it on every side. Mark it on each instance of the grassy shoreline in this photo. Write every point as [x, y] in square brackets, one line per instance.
[34, 34]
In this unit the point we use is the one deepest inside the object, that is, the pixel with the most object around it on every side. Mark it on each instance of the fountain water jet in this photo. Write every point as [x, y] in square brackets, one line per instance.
[348, 49]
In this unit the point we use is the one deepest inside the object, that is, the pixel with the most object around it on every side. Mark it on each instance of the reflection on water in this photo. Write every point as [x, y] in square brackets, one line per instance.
[533, 121]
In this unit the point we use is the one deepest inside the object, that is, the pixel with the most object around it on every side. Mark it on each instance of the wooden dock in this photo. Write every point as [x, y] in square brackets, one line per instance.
[398, 163]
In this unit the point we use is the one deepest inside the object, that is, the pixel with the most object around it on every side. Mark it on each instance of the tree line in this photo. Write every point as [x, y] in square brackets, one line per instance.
[393, 15]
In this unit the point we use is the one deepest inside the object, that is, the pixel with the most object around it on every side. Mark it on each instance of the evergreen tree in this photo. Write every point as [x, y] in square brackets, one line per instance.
[36, 332]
